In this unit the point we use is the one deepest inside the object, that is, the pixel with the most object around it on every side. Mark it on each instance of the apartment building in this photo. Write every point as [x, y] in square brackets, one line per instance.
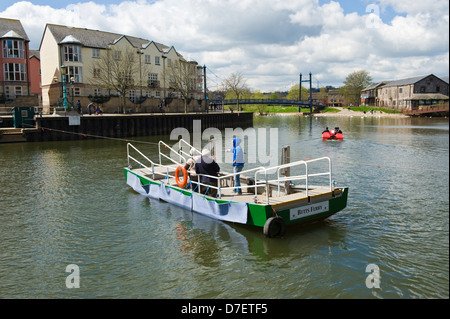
[14, 60]
[79, 51]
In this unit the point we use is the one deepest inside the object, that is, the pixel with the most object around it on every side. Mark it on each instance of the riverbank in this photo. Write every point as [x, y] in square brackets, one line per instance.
[345, 112]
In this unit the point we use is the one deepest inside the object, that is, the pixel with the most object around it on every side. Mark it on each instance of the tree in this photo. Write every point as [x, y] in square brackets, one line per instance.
[115, 71]
[293, 93]
[182, 79]
[354, 84]
[258, 95]
[236, 84]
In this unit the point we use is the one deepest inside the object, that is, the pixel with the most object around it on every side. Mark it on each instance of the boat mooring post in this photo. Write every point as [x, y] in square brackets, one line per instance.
[285, 159]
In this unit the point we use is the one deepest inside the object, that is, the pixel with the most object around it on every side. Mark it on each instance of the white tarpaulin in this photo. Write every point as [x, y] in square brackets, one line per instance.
[135, 183]
[231, 212]
[175, 197]
[153, 191]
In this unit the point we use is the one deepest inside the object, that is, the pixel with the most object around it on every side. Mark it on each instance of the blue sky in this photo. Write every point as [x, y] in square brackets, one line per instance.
[58, 4]
[269, 41]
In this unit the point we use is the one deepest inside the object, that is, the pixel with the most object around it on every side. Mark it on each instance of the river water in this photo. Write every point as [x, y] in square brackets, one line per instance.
[67, 203]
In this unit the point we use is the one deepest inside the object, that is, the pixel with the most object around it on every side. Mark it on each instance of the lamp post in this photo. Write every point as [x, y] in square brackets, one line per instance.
[63, 76]
[140, 69]
[164, 78]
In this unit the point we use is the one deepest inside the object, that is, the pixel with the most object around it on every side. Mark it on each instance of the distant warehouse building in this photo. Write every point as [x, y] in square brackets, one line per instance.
[408, 93]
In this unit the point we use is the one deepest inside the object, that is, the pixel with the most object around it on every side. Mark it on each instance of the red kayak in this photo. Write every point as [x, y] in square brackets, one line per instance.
[335, 134]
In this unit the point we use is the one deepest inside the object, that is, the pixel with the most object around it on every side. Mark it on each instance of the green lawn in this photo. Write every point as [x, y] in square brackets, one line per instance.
[369, 108]
[272, 109]
[294, 109]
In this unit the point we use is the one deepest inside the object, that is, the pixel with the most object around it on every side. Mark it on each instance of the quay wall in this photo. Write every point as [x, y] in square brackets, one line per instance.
[57, 128]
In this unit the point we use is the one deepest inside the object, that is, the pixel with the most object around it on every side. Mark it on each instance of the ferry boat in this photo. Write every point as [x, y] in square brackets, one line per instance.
[335, 134]
[272, 198]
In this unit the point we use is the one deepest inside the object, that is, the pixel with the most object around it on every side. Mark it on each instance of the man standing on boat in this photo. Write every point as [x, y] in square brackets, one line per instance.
[238, 163]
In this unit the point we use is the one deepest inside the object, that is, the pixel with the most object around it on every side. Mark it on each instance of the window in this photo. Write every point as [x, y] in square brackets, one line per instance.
[13, 49]
[158, 94]
[14, 71]
[149, 94]
[438, 89]
[97, 92]
[18, 91]
[157, 60]
[153, 77]
[132, 95]
[75, 72]
[95, 53]
[422, 89]
[117, 55]
[147, 59]
[96, 73]
[76, 92]
[400, 90]
[72, 53]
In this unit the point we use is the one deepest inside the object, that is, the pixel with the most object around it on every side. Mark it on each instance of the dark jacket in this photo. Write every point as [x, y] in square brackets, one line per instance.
[207, 166]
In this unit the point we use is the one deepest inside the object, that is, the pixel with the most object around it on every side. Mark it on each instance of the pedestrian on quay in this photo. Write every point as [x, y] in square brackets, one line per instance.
[89, 108]
[79, 109]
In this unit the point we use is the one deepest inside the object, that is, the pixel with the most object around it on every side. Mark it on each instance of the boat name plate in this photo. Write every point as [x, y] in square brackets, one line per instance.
[304, 211]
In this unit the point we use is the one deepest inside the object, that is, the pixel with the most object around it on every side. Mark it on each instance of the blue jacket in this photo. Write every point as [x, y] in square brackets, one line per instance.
[238, 153]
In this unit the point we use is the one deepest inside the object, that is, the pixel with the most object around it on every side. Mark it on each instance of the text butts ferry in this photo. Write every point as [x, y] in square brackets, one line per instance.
[268, 203]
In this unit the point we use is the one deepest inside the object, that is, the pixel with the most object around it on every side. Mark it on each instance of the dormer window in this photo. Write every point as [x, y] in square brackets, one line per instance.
[13, 49]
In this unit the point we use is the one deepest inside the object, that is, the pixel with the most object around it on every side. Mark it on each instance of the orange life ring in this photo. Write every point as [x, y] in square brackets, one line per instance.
[185, 176]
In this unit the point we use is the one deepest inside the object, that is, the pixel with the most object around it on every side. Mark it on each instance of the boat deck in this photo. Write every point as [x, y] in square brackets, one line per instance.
[296, 198]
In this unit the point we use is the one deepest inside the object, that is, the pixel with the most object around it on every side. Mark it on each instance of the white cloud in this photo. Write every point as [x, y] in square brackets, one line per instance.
[270, 41]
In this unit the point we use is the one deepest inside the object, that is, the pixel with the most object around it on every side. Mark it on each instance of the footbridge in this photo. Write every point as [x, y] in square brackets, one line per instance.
[304, 104]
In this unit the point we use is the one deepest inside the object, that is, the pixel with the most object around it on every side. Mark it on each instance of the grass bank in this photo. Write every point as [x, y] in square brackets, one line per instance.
[266, 109]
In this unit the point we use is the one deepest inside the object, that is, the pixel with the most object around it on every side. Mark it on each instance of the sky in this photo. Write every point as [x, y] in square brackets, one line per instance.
[270, 42]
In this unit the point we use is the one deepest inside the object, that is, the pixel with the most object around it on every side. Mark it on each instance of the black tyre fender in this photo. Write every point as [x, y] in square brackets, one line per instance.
[274, 227]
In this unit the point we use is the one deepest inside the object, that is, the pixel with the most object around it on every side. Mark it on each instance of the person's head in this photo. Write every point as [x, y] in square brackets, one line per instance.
[206, 152]
[236, 141]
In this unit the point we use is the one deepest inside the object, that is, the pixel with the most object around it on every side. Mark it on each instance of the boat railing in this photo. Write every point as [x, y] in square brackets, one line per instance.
[261, 174]
[180, 157]
[151, 170]
[261, 177]
[181, 143]
[305, 176]
[129, 145]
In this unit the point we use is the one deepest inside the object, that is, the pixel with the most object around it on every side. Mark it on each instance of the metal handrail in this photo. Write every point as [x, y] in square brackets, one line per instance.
[183, 160]
[265, 182]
